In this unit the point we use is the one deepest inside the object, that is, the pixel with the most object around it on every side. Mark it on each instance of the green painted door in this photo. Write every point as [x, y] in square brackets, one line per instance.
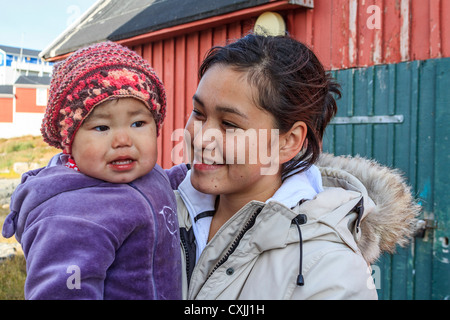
[399, 114]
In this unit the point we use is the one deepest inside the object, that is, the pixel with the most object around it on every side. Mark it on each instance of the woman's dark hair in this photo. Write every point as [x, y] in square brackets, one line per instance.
[291, 83]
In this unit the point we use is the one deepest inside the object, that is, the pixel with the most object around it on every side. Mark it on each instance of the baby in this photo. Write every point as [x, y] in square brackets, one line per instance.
[99, 222]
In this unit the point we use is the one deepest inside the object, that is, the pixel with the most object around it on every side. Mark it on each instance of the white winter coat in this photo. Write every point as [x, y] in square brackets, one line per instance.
[363, 210]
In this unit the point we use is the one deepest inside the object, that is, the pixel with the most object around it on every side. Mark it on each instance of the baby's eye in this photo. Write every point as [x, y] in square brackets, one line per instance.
[138, 124]
[101, 128]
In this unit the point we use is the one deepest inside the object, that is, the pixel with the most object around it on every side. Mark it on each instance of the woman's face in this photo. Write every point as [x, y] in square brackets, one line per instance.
[233, 144]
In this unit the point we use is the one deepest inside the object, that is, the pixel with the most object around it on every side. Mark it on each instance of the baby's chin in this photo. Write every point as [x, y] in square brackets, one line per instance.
[122, 178]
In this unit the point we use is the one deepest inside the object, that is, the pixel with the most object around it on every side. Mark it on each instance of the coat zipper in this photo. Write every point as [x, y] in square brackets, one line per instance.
[155, 293]
[186, 254]
[236, 241]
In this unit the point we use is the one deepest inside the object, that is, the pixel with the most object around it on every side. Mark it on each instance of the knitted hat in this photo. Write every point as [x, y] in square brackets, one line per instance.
[91, 76]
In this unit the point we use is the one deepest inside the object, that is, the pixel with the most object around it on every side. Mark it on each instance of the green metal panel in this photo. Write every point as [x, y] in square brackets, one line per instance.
[406, 110]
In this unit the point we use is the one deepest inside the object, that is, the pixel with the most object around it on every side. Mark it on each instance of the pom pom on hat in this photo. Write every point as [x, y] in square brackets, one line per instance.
[91, 76]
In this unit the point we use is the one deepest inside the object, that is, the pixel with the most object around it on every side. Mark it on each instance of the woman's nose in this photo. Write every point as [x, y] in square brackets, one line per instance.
[205, 136]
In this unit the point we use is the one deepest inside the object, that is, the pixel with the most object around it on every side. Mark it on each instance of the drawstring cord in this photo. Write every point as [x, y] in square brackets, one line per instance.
[298, 220]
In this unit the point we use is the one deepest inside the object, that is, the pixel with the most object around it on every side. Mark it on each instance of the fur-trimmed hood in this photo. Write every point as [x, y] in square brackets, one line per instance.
[390, 212]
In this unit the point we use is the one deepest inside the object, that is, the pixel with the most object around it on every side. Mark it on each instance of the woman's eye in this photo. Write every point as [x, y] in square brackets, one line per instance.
[230, 125]
[197, 113]
[138, 124]
[101, 128]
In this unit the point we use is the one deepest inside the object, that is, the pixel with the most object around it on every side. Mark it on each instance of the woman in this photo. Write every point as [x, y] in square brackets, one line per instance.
[258, 219]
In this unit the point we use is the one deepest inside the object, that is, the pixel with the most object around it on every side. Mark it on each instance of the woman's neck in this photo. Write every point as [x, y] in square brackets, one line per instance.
[228, 204]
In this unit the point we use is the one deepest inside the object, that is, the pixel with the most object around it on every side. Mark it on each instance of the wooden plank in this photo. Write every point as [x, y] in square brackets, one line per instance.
[234, 31]
[420, 30]
[403, 100]
[435, 29]
[343, 134]
[180, 95]
[362, 133]
[158, 65]
[147, 51]
[137, 49]
[328, 141]
[391, 111]
[353, 33]
[441, 262]
[385, 266]
[192, 65]
[340, 42]
[180, 81]
[382, 93]
[412, 163]
[445, 28]
[425, 177]
[322, 31]
[205, 43]
[220, 36]
[403, 260]
[391, 32]
[168, 79]
[405, 27]
[247, 25]
[365, 35]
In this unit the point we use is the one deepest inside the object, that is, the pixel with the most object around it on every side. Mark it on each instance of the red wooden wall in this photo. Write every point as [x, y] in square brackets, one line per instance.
[6, 109]
[26, 101]
[337, 30]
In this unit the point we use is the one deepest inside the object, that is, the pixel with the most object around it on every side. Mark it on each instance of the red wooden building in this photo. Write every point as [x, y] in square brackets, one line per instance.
[173, 35]
[391, 57]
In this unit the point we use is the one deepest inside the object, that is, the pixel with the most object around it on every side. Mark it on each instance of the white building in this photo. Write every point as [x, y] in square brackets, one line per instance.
[15, 62]
[24, 83]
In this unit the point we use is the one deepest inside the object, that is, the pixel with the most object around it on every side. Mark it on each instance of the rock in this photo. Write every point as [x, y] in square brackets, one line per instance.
[8, 250]
[22, 167]
[7, 187]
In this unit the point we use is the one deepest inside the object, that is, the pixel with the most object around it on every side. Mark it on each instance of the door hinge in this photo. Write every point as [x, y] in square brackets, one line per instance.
[423, 225]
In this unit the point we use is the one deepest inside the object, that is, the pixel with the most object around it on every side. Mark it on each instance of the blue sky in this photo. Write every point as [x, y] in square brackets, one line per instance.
[34, 24]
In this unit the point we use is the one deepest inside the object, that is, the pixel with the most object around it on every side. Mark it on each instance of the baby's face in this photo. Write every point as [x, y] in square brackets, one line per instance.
[117, 141]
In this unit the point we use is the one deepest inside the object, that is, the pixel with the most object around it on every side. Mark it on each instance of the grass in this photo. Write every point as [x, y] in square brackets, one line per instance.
[12, 278]
[12, 271]
[28, 149]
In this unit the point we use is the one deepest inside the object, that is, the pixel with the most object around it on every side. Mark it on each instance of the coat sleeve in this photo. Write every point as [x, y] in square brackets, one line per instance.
[338, 275]
[67, 258]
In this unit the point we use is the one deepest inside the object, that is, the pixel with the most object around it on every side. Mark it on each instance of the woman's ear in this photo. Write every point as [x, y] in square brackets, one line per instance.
[292, 141]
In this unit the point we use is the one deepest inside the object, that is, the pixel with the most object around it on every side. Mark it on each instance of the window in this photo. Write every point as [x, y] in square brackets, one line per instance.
[41, 96]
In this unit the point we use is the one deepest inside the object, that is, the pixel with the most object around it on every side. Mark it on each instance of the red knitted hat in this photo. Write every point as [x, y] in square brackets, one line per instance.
[91, 76]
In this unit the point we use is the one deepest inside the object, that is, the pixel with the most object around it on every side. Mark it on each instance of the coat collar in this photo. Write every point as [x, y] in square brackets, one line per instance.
[304, 185]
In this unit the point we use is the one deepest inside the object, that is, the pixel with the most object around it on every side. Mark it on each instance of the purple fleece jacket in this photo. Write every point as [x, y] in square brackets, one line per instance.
[117, 241]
